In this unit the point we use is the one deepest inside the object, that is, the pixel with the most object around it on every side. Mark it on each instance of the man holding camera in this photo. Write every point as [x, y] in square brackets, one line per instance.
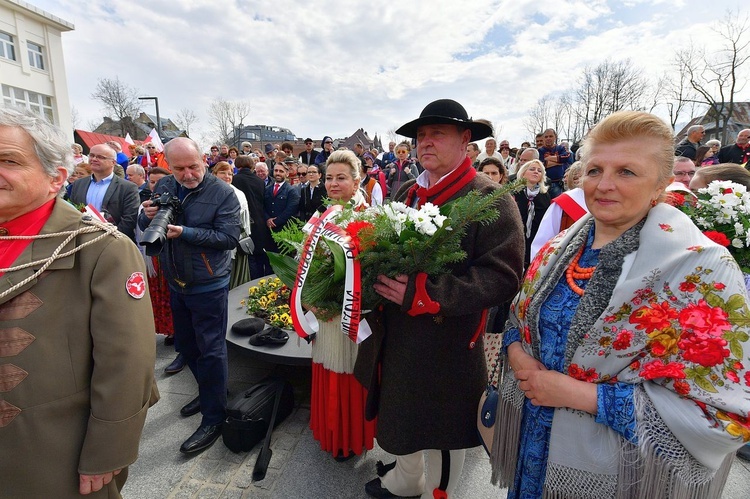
[197, 260]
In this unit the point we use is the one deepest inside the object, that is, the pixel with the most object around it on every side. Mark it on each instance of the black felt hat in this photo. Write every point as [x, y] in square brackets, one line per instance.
[248, 327]
[446, 112]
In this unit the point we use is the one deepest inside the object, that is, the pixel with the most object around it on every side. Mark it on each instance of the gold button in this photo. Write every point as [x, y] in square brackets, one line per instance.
[4, 231]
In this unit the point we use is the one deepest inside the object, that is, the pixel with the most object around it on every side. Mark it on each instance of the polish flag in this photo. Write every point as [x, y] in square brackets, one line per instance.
[154, 137]
[129, 139]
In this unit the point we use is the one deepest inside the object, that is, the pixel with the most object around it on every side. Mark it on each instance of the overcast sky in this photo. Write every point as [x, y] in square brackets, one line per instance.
[329, 67]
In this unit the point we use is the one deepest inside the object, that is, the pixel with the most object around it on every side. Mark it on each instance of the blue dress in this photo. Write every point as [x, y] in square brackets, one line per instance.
[614, 401]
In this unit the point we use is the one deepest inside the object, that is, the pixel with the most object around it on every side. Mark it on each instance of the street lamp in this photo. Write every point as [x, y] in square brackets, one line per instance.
[158, 119]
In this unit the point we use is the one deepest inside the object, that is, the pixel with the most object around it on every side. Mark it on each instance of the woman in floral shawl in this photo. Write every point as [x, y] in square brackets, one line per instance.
[626, 372]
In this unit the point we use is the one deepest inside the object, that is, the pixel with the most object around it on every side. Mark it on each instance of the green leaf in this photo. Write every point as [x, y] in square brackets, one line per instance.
[407, 234]
[735, 302]
[339, 260]
[284, 266]
[715, 300]
[705, 384]
[736, 348]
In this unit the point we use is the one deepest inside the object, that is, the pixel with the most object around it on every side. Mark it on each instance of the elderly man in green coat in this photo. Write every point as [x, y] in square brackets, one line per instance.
[77, 345]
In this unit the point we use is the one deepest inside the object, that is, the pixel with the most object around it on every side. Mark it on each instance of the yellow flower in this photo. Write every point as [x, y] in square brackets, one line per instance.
[272, 296]
[253, 290]
[261, 282]
[243, 302]
[263, 301]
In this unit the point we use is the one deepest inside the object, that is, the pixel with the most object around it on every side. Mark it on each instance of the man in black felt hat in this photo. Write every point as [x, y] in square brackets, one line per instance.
[432, 367]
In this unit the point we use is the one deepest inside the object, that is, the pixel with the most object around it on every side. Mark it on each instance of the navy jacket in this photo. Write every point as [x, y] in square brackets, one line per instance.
[200, 259]
[283, 206]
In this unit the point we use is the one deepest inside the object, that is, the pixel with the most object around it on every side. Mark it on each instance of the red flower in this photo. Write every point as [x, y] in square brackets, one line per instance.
[354, 229]
[738, 365]
[577, 372]
[653, 317]
[681, 387]
[666, 227]
[719, 285]
[657, 348]
[703, 349]
[687, 287]
[675, 199]
[717, 237]
[658, 369]
[623, 340]
[703, 318]
[635, 365]
[727, 190]
[747, 378]
[527, 334]
[732, 376]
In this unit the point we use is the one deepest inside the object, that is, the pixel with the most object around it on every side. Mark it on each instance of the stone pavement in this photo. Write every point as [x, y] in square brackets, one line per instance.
[298, 468]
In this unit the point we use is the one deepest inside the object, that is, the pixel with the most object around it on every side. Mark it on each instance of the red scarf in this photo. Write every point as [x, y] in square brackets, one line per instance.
[28, 224]
[445, 189]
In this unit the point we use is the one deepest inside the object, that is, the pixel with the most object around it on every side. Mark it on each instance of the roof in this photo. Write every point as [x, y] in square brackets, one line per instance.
[58, 22]
[90, 139]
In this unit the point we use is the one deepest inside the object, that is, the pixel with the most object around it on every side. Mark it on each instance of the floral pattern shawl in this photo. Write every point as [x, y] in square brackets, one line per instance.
[666, 310]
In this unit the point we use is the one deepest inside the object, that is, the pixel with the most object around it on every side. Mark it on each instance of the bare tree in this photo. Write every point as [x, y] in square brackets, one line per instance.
[185, 118]
[393, 136]
[607, 88]
[119, 99]
[539, 116]
[75, 117]
[225, 116]
[716, 77]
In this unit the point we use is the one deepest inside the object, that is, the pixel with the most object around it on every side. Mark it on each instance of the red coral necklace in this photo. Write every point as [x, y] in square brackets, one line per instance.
[575, 271]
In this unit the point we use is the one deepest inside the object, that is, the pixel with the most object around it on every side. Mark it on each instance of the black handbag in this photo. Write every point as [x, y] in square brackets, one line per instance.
[250, 414]
[487, 411]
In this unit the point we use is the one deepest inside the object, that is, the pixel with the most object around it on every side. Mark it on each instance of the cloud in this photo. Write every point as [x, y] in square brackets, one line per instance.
[332, 67]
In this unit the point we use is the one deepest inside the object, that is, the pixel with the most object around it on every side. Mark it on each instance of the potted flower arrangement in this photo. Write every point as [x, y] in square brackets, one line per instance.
[722, 211]
[269, 300]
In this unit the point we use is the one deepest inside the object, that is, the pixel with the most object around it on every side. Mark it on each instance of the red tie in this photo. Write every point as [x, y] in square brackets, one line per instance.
[275, 189]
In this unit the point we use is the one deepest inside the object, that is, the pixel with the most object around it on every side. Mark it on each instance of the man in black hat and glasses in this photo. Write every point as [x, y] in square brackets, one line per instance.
[428, 351]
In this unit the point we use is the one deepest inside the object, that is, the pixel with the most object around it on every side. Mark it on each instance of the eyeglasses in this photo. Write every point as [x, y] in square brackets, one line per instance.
[100, 157]
[683, 174]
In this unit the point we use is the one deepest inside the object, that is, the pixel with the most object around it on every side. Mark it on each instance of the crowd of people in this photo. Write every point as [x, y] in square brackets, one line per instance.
[622, 340]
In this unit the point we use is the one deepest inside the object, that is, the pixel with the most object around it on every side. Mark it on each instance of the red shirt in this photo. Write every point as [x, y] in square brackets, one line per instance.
[28, 224]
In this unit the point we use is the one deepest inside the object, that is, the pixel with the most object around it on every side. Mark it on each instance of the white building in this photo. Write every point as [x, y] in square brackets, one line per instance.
[32, 69]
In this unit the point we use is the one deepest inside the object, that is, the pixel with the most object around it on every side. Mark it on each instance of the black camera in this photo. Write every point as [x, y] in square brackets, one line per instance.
[155, 235]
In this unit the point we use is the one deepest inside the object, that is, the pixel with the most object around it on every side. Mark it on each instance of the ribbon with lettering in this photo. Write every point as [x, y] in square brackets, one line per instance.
[351, 307]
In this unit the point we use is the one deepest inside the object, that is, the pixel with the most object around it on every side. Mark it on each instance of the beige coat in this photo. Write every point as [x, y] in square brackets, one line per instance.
[77, 359]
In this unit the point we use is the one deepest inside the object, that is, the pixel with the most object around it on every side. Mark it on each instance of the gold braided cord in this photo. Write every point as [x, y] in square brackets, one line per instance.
[93, 226]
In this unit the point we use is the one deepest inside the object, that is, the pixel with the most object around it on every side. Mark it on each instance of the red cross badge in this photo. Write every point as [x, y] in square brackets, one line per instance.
[136, 285]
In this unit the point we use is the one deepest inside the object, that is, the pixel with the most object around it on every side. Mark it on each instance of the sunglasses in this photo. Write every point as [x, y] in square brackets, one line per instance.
[328, 142]
[302, 174]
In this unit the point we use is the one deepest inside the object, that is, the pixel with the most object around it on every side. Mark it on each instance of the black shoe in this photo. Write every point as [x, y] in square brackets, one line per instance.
[341, 458]
[744, 452]
[204, 437]
[374, 488]
[177, 365]
[192, 407]
[169, 341]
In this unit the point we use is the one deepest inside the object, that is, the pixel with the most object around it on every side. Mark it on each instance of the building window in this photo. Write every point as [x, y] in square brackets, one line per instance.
[38, 103]
[7, 49]
[36, 58]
